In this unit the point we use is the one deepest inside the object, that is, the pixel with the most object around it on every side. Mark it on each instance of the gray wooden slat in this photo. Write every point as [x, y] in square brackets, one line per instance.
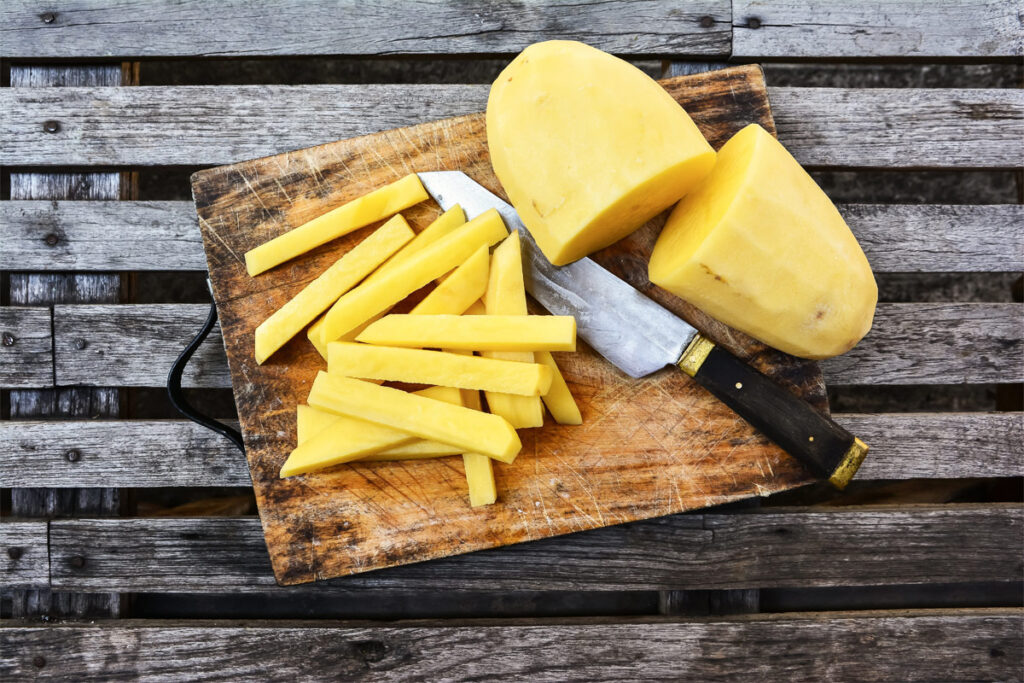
[936, 238]
[158, 453]
[100, 236]
[92, 28]
[936, 344]
[24, 554]
[126, 345]
[47, 289]
[863, 546]
[916, 645]
[26, 347]
[135, 345]
[901, 127]
[790, 29]
[897, 128]
[164, 236]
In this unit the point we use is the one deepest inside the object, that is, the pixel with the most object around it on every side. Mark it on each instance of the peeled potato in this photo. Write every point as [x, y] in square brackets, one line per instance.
[588, 147]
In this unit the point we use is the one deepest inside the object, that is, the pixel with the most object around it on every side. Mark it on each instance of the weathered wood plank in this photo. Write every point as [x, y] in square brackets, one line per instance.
[91, 28]
[936, 238]
[895, 128]
[88, 236]
[919, 645]
[135, 345]
[901, 127]
[153, 453]
[909, 344]
[47, 289]
[936, 344]
[164, 236]
[24, 554]
[791, 29]
[26, 347]
[864, 546]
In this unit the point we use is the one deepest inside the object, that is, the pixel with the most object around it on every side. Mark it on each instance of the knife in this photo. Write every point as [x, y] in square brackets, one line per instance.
[640, 337]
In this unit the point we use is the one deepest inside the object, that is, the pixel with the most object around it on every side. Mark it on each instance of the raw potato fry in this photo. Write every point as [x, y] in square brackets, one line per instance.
[471, 430]
[506, 294]
[310, 421]
[344, 440]
[475, 333]
[442, 225]
[480, 478]
[559, 400]
[477, 308]
[315, 333]
[358, 213]
[417, 366]
[479, 469]
[362, 303]
[465, 285]
[318, 295]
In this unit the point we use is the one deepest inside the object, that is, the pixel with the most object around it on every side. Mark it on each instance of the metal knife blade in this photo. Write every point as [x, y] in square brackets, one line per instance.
[636, 334]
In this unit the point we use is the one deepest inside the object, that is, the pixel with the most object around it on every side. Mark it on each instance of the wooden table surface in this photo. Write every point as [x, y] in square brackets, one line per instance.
[129, 542]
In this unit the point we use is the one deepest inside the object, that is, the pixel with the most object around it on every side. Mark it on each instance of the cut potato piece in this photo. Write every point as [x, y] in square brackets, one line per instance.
[311, 421]
[343, 440]
[315, 334]
[760, 247]
[559, 400]
[465, 285]
[480, 477]
[470, 430]
[474, 332]
[378, 205]
[506, 295]
[418, 366]
[365, 301]
[477, 308]
[588, 147]
[318, 295]
[442, 225]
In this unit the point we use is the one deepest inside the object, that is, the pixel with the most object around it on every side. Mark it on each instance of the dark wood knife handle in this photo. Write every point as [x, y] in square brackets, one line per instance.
[821, 445]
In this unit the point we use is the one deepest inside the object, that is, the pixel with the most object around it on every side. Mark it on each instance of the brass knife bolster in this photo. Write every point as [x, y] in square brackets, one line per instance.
[695, 354]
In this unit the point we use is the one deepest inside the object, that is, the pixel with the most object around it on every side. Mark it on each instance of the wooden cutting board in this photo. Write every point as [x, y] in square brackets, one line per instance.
[646, 448]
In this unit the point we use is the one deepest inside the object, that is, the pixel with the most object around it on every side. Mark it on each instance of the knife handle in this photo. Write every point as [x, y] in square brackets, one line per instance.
[822, 446]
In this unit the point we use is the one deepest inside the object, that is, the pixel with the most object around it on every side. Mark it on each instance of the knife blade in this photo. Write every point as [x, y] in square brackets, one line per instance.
[640, 337]
[636, 334]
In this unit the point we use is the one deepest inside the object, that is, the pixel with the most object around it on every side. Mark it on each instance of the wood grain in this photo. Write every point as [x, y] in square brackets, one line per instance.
[34, 289]
[918, 343]
[801, 29]
[164, 235]
[921, 645]
[24, 554]
[761, 548]
[26, 347]
[684, 450]
[133, 453]
[936, 344]
[876, 127]
[90, 28]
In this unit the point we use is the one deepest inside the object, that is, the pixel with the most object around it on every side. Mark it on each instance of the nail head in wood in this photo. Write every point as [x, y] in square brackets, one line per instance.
[8, 339]
[15, 553]
[51, 126]
[51, 240]
[80, 344]
[707, 22]
[73, 455]
[39, 661]
[48, 17]
[77, 561]
[753, 23]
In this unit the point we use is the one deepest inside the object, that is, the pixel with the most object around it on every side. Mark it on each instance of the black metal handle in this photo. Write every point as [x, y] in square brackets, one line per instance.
[824, 447]
[176, 395]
